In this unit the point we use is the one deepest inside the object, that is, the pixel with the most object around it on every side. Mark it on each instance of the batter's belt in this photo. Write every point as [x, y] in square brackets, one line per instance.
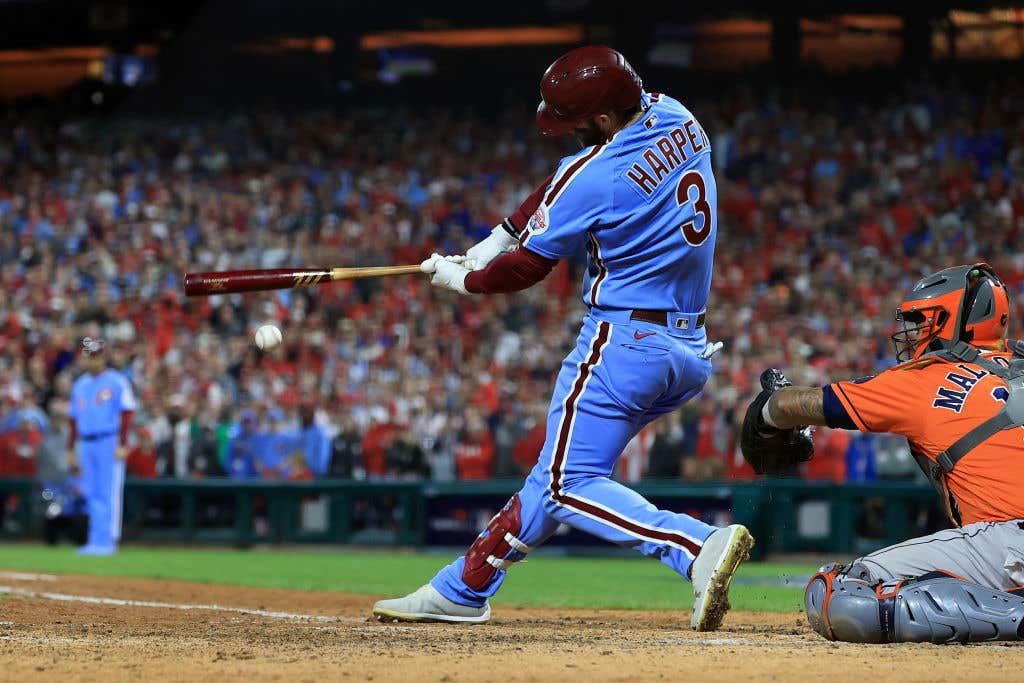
[97, 437]
[662, 318]
[677, 323]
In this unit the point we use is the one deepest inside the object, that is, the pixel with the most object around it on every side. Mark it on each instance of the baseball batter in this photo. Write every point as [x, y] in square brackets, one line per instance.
[102, 405]
[959, 401]
[641, 199]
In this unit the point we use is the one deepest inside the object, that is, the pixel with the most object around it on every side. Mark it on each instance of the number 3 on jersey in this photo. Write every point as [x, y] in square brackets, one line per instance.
[694, 236]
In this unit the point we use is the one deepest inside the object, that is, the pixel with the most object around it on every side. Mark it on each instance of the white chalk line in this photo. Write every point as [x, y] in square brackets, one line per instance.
[716, 641]
[24, 576]
[120, 602]
[386, 628]
[54, 640]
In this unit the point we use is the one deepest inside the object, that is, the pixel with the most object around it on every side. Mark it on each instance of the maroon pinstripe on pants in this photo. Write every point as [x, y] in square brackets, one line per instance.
[562, 445]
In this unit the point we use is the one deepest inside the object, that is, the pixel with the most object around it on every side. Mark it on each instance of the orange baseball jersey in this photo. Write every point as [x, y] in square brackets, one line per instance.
[933, 402]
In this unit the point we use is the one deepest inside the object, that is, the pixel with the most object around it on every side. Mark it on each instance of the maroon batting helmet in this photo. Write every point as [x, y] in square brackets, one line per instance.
[582, 83]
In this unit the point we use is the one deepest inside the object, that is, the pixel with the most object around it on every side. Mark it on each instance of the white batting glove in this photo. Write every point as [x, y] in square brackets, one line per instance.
[446, 274]
[430, 265]
[490, 248]
[467, 263]
[711, 348]
[464, 261]
[454, 258]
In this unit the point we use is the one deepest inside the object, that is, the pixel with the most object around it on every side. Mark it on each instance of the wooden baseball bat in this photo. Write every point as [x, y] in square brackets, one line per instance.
[228, 281]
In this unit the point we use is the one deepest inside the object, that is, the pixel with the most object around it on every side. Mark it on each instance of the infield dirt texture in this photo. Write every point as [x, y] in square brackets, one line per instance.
[72, 626]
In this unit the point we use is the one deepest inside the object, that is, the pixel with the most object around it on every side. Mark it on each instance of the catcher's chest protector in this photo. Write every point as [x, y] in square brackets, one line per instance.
[1011, 415]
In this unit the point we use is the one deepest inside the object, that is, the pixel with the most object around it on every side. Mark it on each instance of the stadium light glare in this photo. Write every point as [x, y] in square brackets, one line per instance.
[480, 37]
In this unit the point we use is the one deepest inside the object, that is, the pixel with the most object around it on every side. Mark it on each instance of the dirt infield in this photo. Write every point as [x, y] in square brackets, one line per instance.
[88, 628]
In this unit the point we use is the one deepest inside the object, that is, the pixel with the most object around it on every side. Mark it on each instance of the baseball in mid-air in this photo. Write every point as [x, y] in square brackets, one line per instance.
[268, 337]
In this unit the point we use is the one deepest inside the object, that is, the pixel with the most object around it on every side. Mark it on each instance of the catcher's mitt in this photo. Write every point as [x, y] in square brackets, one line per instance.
[767, 449]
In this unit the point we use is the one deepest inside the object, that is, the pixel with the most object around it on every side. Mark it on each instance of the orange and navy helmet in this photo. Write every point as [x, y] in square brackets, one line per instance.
[964, 303]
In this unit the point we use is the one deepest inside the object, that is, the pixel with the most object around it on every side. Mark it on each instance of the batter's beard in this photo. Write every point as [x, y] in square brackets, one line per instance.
[588, 134]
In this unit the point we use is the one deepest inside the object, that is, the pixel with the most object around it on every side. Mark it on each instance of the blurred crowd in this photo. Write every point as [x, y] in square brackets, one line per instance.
[830, 207]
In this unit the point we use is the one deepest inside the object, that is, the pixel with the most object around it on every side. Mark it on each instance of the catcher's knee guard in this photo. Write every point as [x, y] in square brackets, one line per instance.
[936, 607]
[496, 547]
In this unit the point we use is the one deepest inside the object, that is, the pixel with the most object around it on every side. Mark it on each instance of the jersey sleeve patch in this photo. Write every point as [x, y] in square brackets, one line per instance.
[539, 221]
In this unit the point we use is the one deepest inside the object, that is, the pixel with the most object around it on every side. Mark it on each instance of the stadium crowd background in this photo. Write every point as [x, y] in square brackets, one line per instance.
[830, 206]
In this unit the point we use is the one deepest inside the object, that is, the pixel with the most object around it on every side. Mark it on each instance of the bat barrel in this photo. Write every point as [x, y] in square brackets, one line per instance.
[229, 281]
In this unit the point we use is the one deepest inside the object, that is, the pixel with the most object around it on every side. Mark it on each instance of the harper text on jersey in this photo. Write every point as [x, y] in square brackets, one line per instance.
[666, 154]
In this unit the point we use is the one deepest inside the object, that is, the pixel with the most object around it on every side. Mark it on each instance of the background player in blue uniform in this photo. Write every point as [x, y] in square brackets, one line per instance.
[102, 404]
[640, 198]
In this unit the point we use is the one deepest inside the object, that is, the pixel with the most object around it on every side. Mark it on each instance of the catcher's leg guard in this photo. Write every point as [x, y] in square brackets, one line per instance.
[936, 607]
[496, 547]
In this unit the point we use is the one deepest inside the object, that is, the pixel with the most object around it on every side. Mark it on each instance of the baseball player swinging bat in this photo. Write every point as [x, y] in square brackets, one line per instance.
[640, 197]
[229, 281]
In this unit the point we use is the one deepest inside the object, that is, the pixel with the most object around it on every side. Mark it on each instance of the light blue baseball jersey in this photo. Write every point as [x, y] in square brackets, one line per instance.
[97, 402]
[644, 205]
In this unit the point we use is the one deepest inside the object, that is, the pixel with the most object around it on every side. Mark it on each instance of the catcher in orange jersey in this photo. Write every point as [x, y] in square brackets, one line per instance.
[958, 397]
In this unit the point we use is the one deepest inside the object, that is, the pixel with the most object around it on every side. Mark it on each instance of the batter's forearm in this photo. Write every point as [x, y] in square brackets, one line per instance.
[797, 407]
[511, 272]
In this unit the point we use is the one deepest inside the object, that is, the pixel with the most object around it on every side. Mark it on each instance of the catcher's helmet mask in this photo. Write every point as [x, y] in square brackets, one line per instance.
[964, 303]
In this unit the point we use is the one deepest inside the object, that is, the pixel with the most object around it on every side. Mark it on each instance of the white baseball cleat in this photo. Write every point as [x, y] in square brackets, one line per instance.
[426, 604]
[712, 572]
